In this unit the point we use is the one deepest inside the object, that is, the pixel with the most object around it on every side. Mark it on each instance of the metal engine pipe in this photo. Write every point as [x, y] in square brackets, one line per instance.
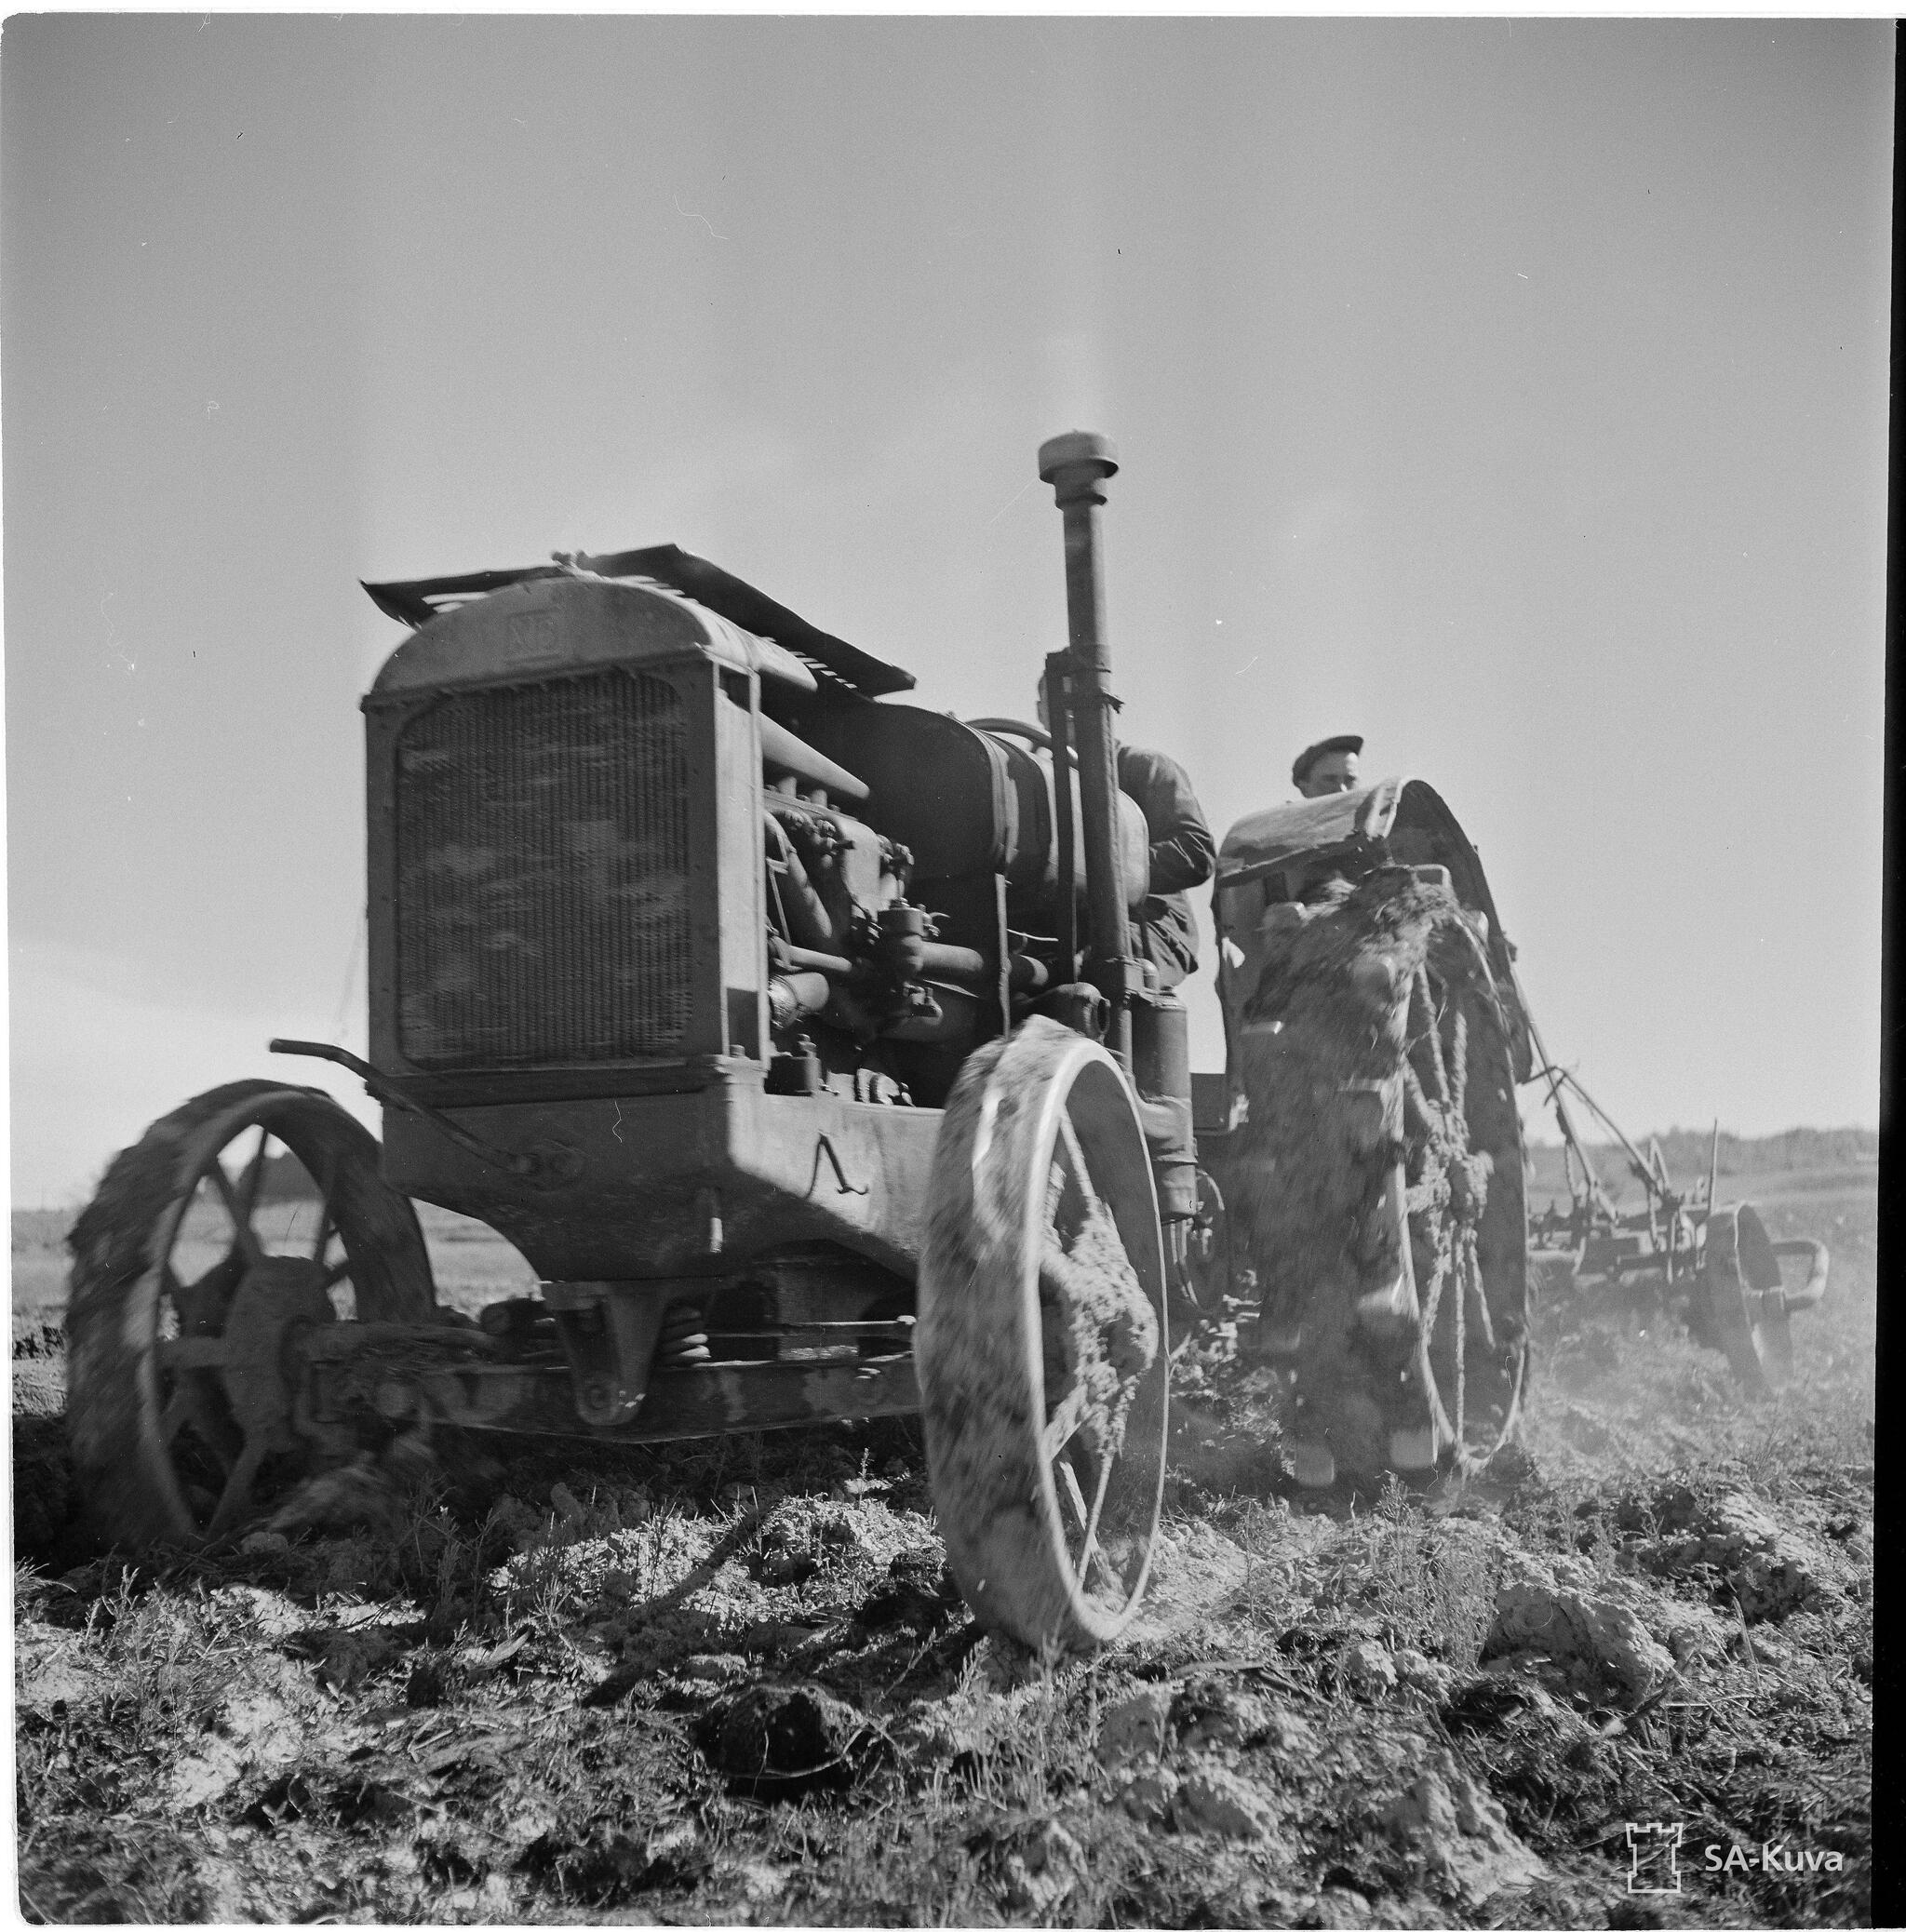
[953, 962]
[782, 752]
[809, 924]
[1076, 465]
[1161, 1072]
[804, 958]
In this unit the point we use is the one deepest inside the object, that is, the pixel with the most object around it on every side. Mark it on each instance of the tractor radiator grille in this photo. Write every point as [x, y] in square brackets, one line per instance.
[542, 876]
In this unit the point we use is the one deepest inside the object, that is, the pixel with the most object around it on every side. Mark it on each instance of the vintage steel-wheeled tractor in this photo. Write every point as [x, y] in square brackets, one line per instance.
[795, 1039]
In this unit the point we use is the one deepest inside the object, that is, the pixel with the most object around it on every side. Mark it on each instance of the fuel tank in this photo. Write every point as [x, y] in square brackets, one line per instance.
[964, 799]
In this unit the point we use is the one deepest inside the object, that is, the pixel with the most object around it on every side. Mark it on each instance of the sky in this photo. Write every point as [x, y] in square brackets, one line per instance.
[1513, 393]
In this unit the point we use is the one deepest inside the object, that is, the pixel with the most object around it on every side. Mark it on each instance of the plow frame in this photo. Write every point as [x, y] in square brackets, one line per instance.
[1716, 1266]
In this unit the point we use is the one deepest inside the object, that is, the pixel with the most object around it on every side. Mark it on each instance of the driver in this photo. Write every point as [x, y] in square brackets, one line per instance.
[1183, 854]
[1330, 765]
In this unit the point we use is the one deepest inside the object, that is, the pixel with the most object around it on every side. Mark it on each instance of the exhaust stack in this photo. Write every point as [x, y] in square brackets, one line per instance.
[1077, 466]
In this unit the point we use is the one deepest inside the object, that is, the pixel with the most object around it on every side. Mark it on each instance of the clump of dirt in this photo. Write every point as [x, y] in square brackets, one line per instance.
[1733, 1546]
[1036, 1865]
[1100, 1331]
[39, 1368]
[1459, 1834]
[42, 1342]
[919, 1594]
[782, 1739]
[1555, 1609]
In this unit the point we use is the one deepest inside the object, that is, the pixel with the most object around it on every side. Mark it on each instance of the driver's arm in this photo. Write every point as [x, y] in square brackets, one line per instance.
[1182, 852]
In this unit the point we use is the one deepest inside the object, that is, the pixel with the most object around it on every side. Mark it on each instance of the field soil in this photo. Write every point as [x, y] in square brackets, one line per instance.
[1620, 1678]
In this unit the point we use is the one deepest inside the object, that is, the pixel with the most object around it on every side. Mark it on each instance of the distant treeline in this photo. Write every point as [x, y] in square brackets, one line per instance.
[1798, 1149]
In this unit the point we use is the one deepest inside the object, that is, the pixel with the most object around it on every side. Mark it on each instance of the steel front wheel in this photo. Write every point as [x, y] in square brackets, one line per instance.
[242, 1215]
[1041, 1342]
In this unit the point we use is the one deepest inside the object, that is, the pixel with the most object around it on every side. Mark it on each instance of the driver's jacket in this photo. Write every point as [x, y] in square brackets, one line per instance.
[1183, 855]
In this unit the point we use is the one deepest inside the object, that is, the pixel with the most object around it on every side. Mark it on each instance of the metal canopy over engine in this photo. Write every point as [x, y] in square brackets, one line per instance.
[717, 594]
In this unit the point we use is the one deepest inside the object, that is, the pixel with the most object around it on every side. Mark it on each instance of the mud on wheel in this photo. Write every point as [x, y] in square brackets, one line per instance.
[1384, 1175]
[192, 1266]
[1041, 1342]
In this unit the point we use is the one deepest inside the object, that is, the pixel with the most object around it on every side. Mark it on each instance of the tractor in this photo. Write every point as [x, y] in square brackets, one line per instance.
[796, 1038]
[793, 1036]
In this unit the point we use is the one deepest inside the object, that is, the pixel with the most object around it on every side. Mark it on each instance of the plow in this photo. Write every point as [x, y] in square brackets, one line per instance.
[1680, 1251]
[798, 1040]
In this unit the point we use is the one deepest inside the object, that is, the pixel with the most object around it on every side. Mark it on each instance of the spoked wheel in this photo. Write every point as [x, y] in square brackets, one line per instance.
[1381, 1184]
[1746, 1300]
[1042, 1344]
[1203, 1270]
[1467, 1215]
[201, 1252]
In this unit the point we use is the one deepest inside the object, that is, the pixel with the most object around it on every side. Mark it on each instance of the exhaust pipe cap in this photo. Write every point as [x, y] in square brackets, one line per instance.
[1077, 446]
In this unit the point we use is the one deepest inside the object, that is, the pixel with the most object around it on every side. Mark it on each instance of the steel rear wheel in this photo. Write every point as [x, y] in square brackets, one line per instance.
[1381, 1184]
[1746, 1300]
[1467, 1209]
[1041, 1343]
[202, 1251]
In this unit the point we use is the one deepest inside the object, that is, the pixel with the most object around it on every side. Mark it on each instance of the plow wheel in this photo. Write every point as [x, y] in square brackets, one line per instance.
[192, 1266]
[1042, 1340]
[1382, 1185]
[1745, 1303]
